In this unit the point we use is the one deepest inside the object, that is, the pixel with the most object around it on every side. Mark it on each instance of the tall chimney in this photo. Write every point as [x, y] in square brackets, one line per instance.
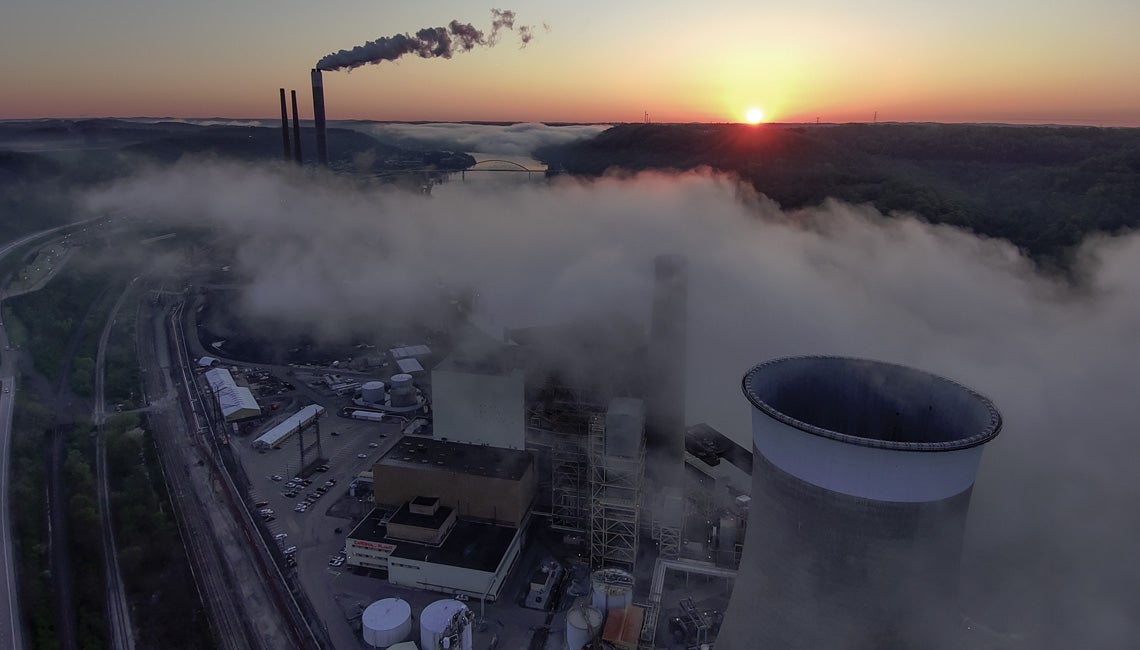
[319, 117]
[284, 126]
[296, 129]
[861, 479]
[665, 424]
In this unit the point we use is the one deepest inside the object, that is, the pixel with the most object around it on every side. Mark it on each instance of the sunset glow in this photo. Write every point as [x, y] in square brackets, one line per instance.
[832, 62]
[754, 115]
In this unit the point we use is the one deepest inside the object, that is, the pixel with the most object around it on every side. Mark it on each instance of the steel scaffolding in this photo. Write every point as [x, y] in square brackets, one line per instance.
[615, 501]
[569, 485]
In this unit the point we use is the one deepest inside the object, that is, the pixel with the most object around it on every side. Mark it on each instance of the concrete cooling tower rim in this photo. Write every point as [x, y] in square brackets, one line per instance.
[864, 402]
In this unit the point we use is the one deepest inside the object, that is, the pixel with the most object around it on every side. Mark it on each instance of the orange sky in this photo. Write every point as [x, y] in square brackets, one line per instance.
[607, 62]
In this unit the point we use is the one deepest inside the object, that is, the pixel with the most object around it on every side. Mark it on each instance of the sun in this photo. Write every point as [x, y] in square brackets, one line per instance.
[754, 115]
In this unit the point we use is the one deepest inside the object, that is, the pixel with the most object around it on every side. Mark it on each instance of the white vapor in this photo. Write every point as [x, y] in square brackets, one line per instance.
[512, 140]
[1050, 549]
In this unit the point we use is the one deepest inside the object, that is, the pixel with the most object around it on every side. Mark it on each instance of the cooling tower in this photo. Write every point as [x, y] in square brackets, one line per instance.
[284, 125]
[665, 422]
[861, 480]
[319, 117]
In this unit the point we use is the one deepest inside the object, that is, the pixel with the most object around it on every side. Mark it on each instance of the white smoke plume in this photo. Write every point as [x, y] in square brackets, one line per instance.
[427, 43]
[1050, 554]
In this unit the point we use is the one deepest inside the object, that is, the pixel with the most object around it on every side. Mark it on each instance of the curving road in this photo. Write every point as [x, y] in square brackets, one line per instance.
[118, 608]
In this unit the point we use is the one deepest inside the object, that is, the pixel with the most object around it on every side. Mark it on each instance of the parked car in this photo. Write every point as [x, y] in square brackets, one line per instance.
[373, 445]
[260, 504]
[291, 550]
[362, 455]
[276, 477]
[280, 536]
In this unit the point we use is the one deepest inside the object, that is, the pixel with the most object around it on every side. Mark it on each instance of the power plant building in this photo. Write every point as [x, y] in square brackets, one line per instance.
[479, 482]
[862, 475]
[480, 399]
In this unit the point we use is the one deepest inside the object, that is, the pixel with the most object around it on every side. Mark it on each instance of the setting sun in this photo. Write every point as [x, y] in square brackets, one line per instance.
[754, 115]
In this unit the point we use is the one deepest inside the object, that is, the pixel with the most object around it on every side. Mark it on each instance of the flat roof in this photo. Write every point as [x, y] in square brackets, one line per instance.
[477, 460]
[406, 517]
[469, 545]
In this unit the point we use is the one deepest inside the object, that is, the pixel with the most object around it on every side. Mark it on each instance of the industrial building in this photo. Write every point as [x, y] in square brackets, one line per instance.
[486, 483]
[289, 427]
[425, 546]
[478, 397]
[235, 402]
[862, 475]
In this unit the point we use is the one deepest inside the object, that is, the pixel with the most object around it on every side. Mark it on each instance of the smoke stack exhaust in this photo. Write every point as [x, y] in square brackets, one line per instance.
[296, 130]
[319, 117]
[284, 126]
[665, 425]
[861, 480]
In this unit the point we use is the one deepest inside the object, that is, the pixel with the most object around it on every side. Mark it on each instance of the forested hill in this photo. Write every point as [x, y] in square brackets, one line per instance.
[1042, 188]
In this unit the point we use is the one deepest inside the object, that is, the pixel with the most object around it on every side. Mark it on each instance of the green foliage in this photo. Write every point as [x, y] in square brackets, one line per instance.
[52, 314]
[153, 561]
[31, 423]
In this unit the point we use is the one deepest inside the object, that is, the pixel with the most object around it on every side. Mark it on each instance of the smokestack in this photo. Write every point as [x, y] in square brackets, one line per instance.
[665, 430]
[861, 480]
[319, 117]
[296, 129]
[284, 126]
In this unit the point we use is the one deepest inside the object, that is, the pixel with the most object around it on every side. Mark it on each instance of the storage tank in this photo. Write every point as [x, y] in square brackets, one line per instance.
[446, 622]
[373, 391]
[386, 622]
[611, 589]
[403, 392]
[861, 480]
[583, 623]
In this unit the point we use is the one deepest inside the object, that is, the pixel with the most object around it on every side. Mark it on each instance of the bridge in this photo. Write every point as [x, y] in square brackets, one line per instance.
[514, 167]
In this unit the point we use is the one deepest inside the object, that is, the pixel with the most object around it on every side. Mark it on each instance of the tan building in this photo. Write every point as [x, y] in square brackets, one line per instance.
[478, 482]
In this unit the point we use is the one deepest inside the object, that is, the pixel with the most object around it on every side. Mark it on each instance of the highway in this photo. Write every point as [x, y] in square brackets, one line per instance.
[118, 608]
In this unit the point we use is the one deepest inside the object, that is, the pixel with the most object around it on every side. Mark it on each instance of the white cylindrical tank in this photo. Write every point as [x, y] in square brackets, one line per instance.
[445, 618]
[386, 622]
[373, 391]
[583, 623]
[611, 589]
[403, 391]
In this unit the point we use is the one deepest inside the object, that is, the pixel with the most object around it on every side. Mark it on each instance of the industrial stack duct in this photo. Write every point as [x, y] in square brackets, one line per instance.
[665, 392]
[861, 480]
[319, 117]
[284, 125]
[296, 129]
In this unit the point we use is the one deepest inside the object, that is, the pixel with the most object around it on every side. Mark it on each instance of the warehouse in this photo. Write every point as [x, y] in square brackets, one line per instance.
[235, 402]
[291, 425]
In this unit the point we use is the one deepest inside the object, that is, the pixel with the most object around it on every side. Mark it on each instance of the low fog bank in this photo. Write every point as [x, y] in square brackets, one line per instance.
[1049, 556]
[508, 140]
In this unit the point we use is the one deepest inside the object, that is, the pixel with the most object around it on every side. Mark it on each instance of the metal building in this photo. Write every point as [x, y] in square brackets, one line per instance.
[862, 474]
[617, 460]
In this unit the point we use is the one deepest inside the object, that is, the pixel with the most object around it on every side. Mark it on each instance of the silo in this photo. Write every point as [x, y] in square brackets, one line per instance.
[386, 622]
[611, 589]
[402, 391]
[372, 392]
[583, 623]
[862, 474]
[446, 623]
